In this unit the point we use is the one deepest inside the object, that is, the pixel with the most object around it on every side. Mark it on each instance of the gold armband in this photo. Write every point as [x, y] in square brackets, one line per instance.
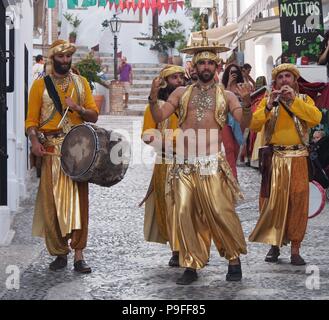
[246, 110]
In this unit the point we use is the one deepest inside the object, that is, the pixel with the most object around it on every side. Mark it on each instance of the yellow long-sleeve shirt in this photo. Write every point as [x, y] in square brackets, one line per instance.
[37, 95]
[149, 122]
[285, 132]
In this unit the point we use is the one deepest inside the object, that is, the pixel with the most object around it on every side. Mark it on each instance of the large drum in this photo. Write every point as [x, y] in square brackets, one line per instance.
[317, 199]
[93, 154]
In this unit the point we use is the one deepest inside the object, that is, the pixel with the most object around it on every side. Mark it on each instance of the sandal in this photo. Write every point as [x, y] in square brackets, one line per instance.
[273, 254]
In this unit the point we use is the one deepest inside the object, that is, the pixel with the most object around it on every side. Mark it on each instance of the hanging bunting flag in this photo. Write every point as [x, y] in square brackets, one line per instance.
[174, 6]
[89, 3]
[147, 6]
[51, 4]
[102, 3]
[122, 4]
[134, 5]
[154, 6]
[71, 4]
[159, 6]
[166, 6]
[128, 5]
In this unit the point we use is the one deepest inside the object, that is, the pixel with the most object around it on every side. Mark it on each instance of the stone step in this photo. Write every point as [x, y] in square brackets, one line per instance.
[141, 86]
[115, 122]
[137, 93]
[131, 112]
[134, 100]
[147, 65]
[143, 82]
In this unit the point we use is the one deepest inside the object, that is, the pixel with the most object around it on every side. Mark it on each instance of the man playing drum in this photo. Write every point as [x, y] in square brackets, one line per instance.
[61, 209]
[159, 222]
[203, 187]
[284, 199]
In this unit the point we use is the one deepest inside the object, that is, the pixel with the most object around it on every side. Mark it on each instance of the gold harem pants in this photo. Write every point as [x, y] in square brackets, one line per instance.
[284, 215]
[61, 210]
[204, 193]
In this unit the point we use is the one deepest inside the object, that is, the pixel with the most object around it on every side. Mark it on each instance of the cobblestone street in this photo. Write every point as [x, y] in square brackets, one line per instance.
[126, 267]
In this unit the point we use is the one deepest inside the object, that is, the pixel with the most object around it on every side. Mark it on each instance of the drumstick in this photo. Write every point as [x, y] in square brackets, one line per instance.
[65, 113]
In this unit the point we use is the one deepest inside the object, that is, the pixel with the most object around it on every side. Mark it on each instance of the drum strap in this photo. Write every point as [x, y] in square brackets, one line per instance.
[53, 94]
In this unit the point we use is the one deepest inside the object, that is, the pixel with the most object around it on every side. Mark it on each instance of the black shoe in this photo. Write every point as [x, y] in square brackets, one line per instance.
[59, 263]
[188, 277]
[297, 260]
[273, 254]
[174, 260]
[81, 266]
[234, 272]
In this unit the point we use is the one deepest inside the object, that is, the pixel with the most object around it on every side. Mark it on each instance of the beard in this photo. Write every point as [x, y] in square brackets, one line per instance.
[62, 68]
[206, 76]
[164, 93]
[194, 77]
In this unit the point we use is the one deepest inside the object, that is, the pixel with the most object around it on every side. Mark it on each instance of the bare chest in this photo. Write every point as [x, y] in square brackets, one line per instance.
[201, 109]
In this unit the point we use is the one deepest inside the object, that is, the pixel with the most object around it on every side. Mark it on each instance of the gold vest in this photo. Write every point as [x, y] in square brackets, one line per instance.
[301, 125]
[221, 105]
[48, 109]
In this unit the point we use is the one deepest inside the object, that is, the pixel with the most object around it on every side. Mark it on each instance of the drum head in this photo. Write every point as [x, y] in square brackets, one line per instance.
[317, 199]
[78, 151]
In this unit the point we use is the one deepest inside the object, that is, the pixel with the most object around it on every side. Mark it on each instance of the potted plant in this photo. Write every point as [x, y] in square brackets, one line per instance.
[174, 35]
[75, 22]
[72, 37]
[89, 68]
[177, 59]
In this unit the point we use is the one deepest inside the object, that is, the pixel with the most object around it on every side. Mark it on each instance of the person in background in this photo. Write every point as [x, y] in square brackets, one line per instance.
[246, 69]
[286, 117]
[324, 54]
[202, 186]
[61, 210]
[38, 68]
[232, 133]
[159, 222]
[318, 135]
[126, 76]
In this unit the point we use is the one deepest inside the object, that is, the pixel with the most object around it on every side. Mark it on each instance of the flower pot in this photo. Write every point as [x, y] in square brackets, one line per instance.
[72, 38]
[99, 100]
[163, 57]
[177, 60]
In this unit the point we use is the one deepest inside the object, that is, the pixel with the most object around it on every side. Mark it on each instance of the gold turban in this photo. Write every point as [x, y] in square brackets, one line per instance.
[285, 67]
[59, 46]
[205, 55]
[170, 70]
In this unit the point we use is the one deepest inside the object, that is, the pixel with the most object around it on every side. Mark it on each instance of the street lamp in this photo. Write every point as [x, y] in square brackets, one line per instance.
[115, 24]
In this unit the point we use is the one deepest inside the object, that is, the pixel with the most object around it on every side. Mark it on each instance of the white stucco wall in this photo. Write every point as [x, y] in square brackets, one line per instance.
[17, 161]
[260, 52]
[90, 31]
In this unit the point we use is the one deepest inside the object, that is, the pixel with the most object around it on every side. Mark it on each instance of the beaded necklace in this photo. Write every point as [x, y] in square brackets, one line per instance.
[203, 100]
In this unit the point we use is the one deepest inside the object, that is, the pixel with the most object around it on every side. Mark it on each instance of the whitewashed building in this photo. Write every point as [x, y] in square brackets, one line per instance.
[134, 25]
[16, 24]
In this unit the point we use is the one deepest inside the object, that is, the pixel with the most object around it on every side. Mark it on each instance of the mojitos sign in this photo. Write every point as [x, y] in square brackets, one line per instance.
[301, 29]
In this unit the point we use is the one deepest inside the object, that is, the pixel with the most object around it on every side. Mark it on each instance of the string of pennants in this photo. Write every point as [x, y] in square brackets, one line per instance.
[121, 5]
